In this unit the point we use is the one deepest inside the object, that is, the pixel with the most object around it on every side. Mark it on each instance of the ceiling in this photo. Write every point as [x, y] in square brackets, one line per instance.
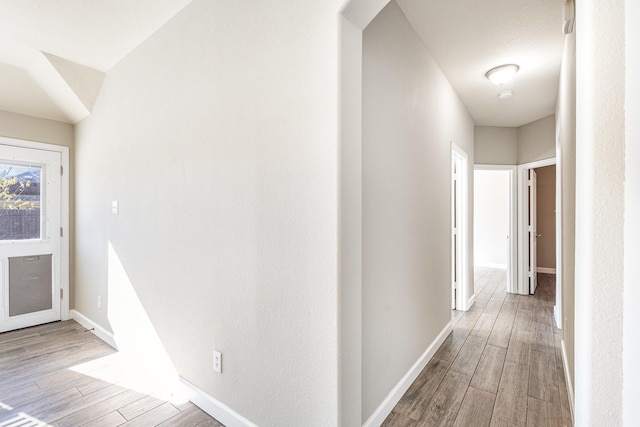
[53, 53]
[469, 37]
[83, 39]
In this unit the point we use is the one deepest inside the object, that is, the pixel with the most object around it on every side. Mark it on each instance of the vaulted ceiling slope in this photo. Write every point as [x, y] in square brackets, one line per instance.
[469, 37]
[53, 53]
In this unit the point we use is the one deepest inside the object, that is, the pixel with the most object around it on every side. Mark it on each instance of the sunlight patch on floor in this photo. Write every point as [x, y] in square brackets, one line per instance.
[24, 420]
[120, 370]
[141, 363]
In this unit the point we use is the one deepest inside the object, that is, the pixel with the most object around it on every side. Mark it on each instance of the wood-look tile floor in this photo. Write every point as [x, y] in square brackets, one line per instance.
[500, 367]
[61, 375]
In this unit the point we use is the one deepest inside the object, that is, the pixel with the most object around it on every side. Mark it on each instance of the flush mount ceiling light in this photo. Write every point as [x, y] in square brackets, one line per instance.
[502, 74]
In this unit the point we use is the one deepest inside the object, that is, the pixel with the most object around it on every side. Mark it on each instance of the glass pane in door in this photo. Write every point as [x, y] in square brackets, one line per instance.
[20, 202]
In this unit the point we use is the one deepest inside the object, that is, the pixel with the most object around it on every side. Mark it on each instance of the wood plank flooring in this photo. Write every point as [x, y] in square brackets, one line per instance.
[63, 376]
[500, 367]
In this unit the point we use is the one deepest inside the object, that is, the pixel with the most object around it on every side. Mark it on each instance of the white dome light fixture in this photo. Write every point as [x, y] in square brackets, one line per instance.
[502, 74]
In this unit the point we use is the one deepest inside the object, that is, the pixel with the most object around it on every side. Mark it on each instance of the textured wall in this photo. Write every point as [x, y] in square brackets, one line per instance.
[410, 116]
[537, 140]
[631, 344]
[600, 161]
[218, 136]
[515, 146]
[496, 145]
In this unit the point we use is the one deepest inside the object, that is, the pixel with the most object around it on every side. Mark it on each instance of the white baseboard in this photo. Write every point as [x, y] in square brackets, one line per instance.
[216, 409]
[546, 270]
[490, 265]
[556, 317]
[382, 412]
[96, 329]
[471, 301]
[213, 407]
[568, 380]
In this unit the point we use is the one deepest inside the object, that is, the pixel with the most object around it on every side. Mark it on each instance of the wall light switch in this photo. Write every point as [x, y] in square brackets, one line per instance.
[114, 207]
[99, 301]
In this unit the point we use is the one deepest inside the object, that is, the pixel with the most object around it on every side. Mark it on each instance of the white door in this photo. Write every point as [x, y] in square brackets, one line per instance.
[30, 242]
[533, 232]
[455, 228]
[458, 229]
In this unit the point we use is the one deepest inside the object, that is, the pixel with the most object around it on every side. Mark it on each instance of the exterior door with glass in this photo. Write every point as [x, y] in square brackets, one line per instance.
[30, 242]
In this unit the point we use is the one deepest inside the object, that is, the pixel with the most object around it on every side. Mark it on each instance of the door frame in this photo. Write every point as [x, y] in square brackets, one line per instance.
[523, 209]
[462, 300]
[64, 211]
[512, 264]
[532, 228]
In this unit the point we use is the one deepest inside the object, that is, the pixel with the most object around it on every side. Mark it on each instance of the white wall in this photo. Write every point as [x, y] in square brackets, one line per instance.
[496, 145]
[631, 344]
[28, 128]
[566, 198]
[218, 136]
[537, 140]
[600, 208]
[515, 146]
[491, 218]
[410, 116]
[350, 217]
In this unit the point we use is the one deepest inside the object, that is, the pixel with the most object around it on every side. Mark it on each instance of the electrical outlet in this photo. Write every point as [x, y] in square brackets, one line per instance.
[217, 361]
[99, 301]
[115, 207]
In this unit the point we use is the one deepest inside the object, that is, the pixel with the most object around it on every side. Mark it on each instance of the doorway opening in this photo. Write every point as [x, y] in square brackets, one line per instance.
[546, 219]
[495, 220]
[537, 250]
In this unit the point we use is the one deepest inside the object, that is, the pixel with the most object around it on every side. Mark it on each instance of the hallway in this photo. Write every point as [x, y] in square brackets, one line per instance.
[501, 365]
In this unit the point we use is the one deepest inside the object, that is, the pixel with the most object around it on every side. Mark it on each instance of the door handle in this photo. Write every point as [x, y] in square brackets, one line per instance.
[538, 235]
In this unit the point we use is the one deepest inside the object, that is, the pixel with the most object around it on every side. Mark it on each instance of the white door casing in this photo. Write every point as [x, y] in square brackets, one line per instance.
[455, 220]
[36, 298]
[533, 232]
[459, 221]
